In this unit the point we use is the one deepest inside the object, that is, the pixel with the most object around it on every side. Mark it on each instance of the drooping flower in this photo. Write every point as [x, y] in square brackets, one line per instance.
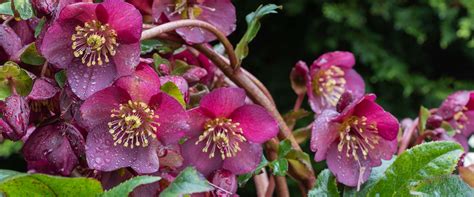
[226, 183]
[10, 43]
[226, 133]
[354, 139]
[298, 77]
[95, 43]
[329, 77]
[220, 13]
[458, 110]
[54, 149]
[127, 121]
[15, 119]
[43, 99]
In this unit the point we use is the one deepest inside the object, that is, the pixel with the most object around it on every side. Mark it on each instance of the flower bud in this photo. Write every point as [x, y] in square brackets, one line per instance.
[434, 121]
[298, 77]
[15, 119]
[225, 181]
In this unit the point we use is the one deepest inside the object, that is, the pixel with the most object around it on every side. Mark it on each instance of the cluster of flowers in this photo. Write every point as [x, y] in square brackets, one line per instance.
[112, 120]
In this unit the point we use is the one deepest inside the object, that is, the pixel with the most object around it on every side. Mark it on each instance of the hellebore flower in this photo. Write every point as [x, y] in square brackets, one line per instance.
[226, 133]
[220, 13]
[54, 149]
[128, 120]
[298, 77]
[16, 115]
[225, 181]
[95, 43]
[354, 139]
[458, 110]
[10, 43]
[43, 99]
[50, 7]
[202, 69]
[329, 77]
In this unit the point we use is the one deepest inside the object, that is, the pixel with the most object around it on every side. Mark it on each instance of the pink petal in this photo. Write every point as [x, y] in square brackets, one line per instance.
[103, 155]
[223, 101]
[127, 58]
[173, 118]
[246, 160]
[124, 18]
[193, 155]
[97, 108]
[354, 83]
[85, 81]
[256, 123]
[78, 13]
[56, 44]
[9, 40]
[347, 170]
[469, 127]
[43, 89]
[470, 104]
[142, 84]
[323, 134]
[337, 58]
[383, 150]
[387, 124]
[197, 118]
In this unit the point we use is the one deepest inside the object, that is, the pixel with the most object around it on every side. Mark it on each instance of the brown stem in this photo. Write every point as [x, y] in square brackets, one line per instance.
[44, 69]
[407, 135]
[271, 187]
[271, 148]
[298, 102]
[261, 183]
[259, 84]
[422, 137]
[170, 26]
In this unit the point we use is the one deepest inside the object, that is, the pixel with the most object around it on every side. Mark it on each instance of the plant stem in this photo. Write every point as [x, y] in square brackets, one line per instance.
[171, 26]
[261, 183]
[407, 135]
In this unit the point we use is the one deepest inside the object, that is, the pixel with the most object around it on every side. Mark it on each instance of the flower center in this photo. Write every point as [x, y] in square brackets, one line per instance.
[189, 9]
[221, 134]
[357, 135]
[132, 124]
[460, 120]
[94, 42]
[330, 84]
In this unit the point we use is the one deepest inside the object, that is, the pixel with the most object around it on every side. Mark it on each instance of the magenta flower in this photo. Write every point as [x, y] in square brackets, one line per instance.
[354, 139]
[226, 183]
[329, 77]
[95, 43]
[220, 13]
[128, 120]
[10, 43]
[202, 69]
[15, 117]
[54, 149]
[458, 110]
[226, 133]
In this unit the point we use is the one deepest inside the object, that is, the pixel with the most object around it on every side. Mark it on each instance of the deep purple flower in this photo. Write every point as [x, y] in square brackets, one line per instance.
[95, 43]
[226, 133]
[226, 183]
[54, 149]
[43, 99]
[128, 120]
[10, 43]
[355, 139]
[220, 13]
[458, 110]
[50, 7]
[16, 115]
[329, 77]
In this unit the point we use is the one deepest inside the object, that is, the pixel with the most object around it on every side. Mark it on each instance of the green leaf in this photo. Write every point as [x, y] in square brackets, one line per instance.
[39, 27]
[375, 175]
[326, 185]
[450, 185]
[242, 179]
[189, 181]
[423, 116]
[158, 60]
[448, 128]
[161, 46]
[299, 162]
[126, 187]
[8, 147]
[253, 23]
[171, 89]
[279, 167]
[23, 7]
[417, 164]
[31, 56]
[11, 73]
[20, 184]
[180, 67]
[60, 78]
[284, 148]
[6, 8]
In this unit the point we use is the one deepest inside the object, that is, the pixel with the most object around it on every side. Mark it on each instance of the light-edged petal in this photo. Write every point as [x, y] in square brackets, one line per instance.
[347, 170]
[323, 134]
[342, 59]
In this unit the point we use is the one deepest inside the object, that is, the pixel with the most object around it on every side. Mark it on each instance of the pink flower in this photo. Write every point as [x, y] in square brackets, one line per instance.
[220, 13]
[95, 43]
[354, 139]
[226, 133]
[329, 77]
[129, 120]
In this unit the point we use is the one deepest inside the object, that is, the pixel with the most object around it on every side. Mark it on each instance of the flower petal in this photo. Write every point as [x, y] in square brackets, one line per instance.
[173, 118]
[142, 84]
[127, 58]
[85, 81]
[323, 134]
[223, 101]
[103, 155]
[354, 83]
[97, 108]
[383, 150]
[43, 89]
[197, 118]
[193, 155]
[256, 123]
[56, 44]
[342, 59]
[124, 18]
[246, 160]
[347, 170]
[454, 103]
[387, 124]
[78, 13]
[9, 40]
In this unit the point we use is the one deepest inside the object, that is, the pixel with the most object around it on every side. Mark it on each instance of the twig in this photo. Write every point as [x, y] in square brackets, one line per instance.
[44, 69]
[407, 135]
[171, 26]
[271, 187]
[422, 137]
[261, 183]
